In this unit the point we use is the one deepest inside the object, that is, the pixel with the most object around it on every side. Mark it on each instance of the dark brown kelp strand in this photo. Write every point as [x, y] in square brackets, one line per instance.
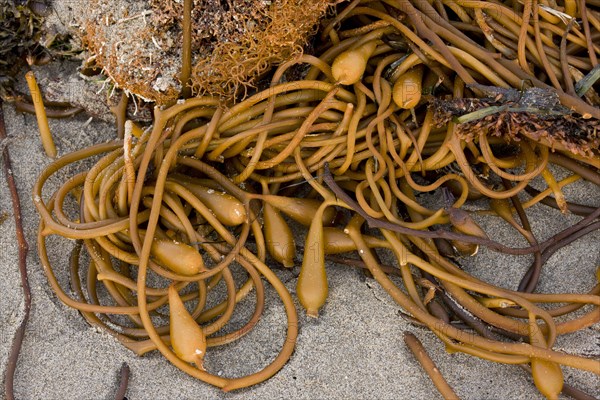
[64, 112]
[15, 349]
[123, 382]
[439, 234]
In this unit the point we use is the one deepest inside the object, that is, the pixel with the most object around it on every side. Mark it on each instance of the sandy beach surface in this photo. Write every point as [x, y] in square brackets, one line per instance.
[354, 350]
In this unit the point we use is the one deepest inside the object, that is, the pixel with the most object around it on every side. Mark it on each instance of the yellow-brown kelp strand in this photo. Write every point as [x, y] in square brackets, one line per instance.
[428, 365]
[463, 100]
[40, 112]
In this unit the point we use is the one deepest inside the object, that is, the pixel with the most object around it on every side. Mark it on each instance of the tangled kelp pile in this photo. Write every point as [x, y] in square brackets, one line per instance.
[172, 211]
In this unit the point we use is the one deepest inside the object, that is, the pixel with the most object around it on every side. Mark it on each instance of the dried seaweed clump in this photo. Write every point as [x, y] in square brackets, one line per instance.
[124, 43]
[235, 65]
[138, 42]
[211, 21]
[534, 113]
[20, 31]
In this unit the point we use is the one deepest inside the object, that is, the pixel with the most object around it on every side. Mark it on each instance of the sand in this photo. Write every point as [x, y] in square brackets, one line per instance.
[354, 350]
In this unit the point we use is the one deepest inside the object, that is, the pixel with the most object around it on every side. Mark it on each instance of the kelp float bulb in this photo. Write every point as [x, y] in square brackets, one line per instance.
[349, 67]
[187, 338]
[179, 257]
[312, 287]
[462, 222]
[279, 237]
[408, 88]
